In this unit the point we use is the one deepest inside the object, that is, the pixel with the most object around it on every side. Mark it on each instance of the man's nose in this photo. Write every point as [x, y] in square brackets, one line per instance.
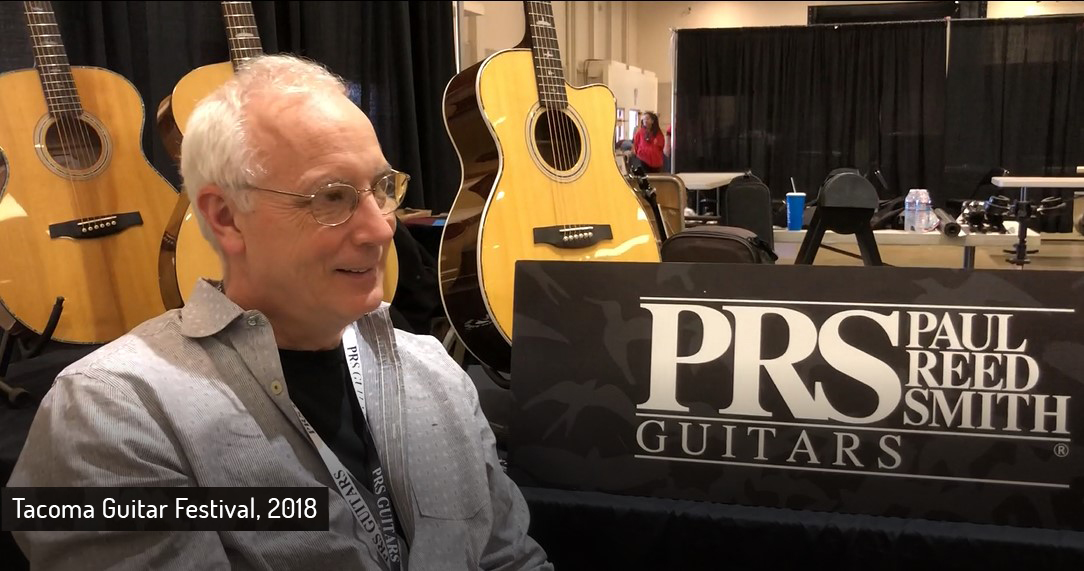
[370, 225]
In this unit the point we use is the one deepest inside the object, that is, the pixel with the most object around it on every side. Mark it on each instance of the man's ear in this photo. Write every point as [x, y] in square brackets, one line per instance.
[219, 212]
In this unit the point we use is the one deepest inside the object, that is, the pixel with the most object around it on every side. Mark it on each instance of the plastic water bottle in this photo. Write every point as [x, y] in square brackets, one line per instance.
[918, 211]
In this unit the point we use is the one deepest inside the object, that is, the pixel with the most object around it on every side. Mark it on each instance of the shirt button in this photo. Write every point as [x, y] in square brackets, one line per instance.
[276, 387]
[253, 321]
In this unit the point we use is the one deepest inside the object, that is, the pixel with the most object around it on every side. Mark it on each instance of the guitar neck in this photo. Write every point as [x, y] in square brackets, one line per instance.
[51, 61]
[241, 29]
[549, 73]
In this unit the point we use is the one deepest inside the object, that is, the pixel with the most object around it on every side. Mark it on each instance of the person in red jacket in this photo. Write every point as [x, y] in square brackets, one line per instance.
[648, 143]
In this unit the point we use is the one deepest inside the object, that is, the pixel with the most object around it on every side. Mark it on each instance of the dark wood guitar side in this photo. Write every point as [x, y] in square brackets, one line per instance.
[461, 287]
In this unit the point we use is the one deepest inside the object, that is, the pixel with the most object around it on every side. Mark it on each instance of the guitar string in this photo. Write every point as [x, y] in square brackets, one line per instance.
[565, 128]
[540, 85]
[85, 149]
[556, 116]
[38, 16]
[253, 32]
[248, 42]
[556, 197]
[231, 34]
[82, 146]
[235, 40]
[243, 44]
[227, 11]
[553, 107]
[236, 18]
[565, 146]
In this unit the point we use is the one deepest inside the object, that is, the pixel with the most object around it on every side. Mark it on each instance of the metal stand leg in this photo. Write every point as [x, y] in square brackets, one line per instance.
[807, 252]
[16, 396]
[969, 257]
[1022, 213]
[867, 245]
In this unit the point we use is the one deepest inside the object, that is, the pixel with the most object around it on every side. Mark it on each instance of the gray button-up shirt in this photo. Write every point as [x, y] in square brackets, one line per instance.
[195, 397]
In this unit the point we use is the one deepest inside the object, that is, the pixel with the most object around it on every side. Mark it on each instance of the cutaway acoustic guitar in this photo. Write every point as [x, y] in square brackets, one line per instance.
[540, 182]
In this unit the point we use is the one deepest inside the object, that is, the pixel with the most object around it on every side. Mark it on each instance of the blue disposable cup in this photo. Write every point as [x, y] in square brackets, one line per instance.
[795, 208]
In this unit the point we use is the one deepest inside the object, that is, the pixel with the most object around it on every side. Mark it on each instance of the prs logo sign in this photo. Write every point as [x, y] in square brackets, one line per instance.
[919, 371]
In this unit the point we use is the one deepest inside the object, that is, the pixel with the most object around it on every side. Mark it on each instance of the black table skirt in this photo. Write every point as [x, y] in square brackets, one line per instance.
[596, 531]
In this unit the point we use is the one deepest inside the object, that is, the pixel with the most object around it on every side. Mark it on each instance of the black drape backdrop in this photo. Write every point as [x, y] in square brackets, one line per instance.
[400, 55]
[1014, 100]
[801, 101]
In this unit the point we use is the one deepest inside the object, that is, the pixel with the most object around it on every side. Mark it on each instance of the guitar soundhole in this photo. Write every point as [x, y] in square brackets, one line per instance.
[73, 143]
[558, 140]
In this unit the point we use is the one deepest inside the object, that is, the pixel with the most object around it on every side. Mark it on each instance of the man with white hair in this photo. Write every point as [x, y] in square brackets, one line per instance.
[287, 373]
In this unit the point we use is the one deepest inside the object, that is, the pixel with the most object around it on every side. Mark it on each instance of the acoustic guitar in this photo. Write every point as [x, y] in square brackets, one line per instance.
[185, 254]
[540, 182]
[82, 210]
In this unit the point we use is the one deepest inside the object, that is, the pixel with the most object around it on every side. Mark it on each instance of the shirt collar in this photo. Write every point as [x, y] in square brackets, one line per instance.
[207, 310]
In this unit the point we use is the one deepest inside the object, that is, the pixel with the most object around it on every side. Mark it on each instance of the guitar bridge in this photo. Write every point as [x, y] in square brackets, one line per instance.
[98, 227]
[574, 236]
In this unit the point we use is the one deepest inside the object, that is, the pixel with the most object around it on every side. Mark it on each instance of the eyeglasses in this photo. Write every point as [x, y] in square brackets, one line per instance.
[335, 203]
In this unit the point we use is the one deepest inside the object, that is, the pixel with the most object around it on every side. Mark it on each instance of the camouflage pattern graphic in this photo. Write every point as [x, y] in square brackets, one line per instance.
[912, 392]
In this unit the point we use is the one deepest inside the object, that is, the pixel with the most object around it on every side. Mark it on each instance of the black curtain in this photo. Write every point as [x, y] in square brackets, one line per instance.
[801, 101]
[399, 55]
[1014, 99]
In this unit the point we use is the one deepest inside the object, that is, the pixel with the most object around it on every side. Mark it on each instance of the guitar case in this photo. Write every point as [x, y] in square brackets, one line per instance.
[718, 244]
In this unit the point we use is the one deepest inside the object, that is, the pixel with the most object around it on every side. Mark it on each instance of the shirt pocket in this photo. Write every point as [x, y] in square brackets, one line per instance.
[448, 474]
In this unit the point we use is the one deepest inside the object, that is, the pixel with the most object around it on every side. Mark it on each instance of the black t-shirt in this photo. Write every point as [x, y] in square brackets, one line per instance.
[319, 384]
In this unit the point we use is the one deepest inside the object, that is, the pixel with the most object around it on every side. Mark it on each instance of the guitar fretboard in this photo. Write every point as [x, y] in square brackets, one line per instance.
[241, 29]
[548, 70]
[51, 61]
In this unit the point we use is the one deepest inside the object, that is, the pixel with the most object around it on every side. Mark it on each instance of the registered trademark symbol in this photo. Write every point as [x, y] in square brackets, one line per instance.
[1061, 450]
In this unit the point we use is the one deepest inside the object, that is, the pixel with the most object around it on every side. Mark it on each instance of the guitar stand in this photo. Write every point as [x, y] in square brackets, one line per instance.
[1022, 211]
[642, 185]
[17, 397]
[821, 222]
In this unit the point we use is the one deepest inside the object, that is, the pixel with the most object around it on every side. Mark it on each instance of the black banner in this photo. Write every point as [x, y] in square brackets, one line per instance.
[165, 509]
[911, 392]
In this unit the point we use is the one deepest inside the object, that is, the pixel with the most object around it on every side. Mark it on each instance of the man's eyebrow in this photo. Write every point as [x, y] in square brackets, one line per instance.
[384, 171]
[328, 180]
[334, 179]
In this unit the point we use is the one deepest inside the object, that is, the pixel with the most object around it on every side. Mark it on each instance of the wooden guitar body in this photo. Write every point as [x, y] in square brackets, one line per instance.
[185, 255]
[538, 184]
[84, 224]
[174, 111]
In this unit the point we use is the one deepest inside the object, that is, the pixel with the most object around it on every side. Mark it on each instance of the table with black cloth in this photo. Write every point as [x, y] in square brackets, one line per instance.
[597, 531]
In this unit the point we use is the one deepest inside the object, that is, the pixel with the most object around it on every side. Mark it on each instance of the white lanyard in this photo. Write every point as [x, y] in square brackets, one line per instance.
[381, 530]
